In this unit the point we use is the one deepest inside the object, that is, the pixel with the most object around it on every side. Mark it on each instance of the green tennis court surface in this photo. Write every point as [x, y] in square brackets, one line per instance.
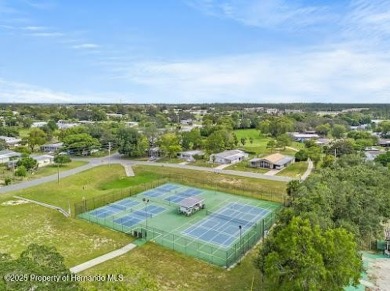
[220, 233]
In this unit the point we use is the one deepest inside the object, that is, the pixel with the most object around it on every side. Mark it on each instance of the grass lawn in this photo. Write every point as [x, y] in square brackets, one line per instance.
[259, 144]
[52, 169]
[170, 160]
[244, 166]
[79, 241]
[41, 172]
[76, 240]
[295, 170]
[173, 271]
[203, 163]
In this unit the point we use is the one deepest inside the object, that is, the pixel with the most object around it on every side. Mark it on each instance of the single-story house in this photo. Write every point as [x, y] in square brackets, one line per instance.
[384, 142]
[302, 137]
[372, 153]
[189, 155]
[229, 157]
[154, 153]
[53, 147]
[11, 141]
[38, 124]
[323, 141]
[44, 160]
[7, 155]
[274, 161]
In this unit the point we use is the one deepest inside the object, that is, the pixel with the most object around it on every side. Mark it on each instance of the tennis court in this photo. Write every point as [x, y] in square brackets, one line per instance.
[220, 234]
[224, 226]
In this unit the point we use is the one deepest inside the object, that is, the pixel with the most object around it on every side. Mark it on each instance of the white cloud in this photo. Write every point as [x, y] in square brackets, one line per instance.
[266, 13]
[25, 93]
[86, 46]
[46, 34]
[314, 75]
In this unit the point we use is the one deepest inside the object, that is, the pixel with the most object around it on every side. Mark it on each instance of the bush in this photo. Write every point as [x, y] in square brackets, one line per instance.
[7, 181]
[302, 155]
[21, 171]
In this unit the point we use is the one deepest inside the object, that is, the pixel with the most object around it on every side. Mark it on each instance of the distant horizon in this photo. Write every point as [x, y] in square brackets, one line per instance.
[194, 51]
[212, 103]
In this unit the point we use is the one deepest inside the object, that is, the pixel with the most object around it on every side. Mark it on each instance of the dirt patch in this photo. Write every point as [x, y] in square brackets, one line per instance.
[14, 202]
[379, 272]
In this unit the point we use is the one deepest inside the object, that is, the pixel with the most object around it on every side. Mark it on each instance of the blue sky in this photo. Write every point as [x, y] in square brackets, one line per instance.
[195, 51]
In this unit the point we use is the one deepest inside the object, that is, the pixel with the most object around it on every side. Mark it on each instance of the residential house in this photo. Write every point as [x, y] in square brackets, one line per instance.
[189, 155]
[384, 142]
[302, 137]
[229, 157]
[154, 153]
[273, 161]
[7, 155]
[51, 148]
[323, 141]
[39, 124]
[371, 153]
[11, 141]
[44, 160]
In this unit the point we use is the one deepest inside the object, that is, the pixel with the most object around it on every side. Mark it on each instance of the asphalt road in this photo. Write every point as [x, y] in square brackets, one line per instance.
[117, 159]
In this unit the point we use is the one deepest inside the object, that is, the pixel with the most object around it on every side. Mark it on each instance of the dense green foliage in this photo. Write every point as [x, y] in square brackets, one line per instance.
[131, 143]
[36, 261]
[331, 214]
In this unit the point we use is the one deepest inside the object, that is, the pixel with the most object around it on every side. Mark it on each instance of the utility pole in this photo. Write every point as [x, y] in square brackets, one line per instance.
[58, 173]
[109, 153]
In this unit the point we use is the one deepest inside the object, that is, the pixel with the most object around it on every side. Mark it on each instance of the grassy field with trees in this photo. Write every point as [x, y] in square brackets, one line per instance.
[161, 268]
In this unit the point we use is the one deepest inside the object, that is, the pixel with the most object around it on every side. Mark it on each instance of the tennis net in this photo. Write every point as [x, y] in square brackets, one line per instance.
[117, 206]
[228, 218]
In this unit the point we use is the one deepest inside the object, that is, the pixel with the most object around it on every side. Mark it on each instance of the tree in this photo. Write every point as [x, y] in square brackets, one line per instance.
[37, 260]
[131, 143]
[341, 147]
[251, 140]
[302, 256]
[80, 143]
[21, 171]
[301, 156]
[314, 154]
[28, 162]
[328, 161]
[271, 145]
[220, 140]
[191, 140]
[243, 140]
[3, 144]
[276, 126]
[62, 159]
[338, 131]
[383, 159]
[170, 144]
[36, 137]
[384, 128]
[323, 129]
[283, 140]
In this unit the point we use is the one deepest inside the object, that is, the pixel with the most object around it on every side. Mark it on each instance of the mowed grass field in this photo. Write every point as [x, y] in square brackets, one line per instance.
[259, 145]
[78, 240]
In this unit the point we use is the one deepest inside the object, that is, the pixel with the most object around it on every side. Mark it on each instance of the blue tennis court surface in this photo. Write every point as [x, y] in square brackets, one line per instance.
[223, 227]
[153, 193]
[167, 187]
[177, 198]
[140, 215]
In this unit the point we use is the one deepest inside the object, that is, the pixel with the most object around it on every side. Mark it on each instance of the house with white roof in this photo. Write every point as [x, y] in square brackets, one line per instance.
[229, 157]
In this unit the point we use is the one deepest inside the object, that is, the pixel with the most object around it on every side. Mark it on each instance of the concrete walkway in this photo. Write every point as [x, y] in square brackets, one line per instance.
[310, 168]
[221, 167]
[273, 172]
[102, 259]
[64, 212]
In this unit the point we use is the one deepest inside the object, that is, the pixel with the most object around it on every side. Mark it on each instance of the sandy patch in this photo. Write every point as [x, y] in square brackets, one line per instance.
[379, 271]
[14, 202]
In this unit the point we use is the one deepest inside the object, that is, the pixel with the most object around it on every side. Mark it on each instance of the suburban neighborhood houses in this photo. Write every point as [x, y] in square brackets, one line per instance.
[267, 150]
